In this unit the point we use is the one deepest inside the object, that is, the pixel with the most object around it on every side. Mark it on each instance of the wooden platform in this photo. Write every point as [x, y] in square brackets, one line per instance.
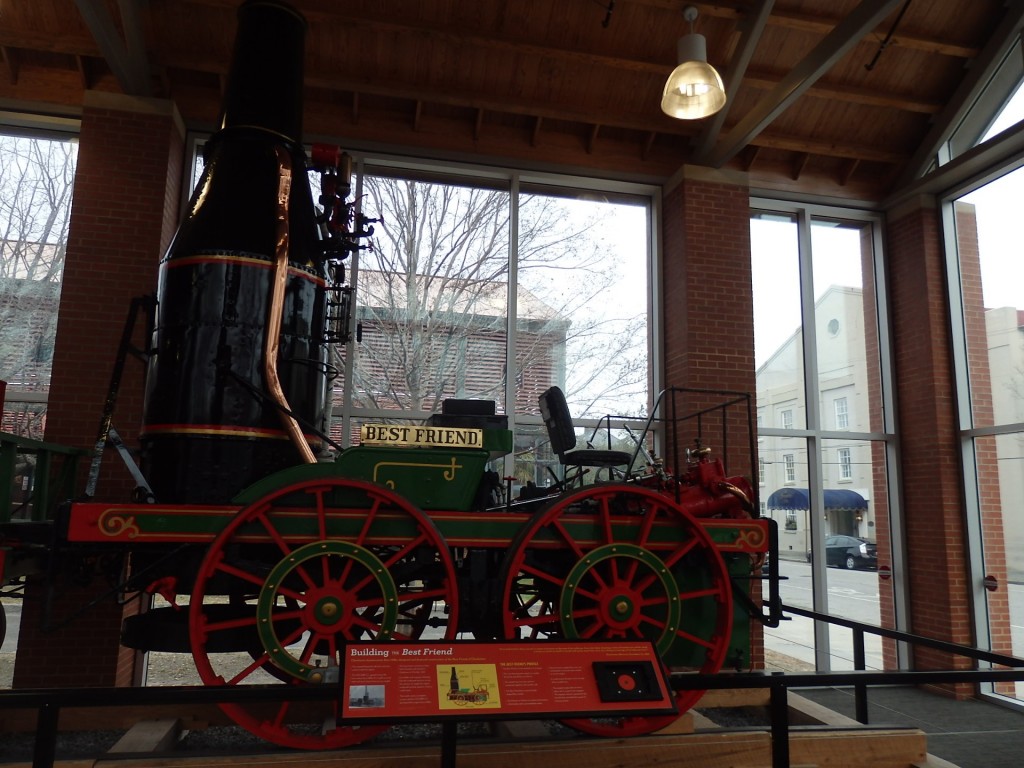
[818, 737]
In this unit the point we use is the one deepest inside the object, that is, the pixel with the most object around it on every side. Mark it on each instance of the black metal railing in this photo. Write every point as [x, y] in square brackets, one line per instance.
[48, 702]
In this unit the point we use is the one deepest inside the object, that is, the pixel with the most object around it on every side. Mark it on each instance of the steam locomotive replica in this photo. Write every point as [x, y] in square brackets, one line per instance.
[273, 559]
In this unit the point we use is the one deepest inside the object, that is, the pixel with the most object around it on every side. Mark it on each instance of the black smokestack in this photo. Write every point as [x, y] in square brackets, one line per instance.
[209, 427]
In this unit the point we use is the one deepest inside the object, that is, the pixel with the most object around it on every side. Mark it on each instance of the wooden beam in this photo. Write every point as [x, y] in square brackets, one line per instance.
[536, 130]
[593, 138]
[827, 149]
[736, 10]
[909, 103]
[800, 162]
[748, 156]
[847, 171]
[82, 64]
[753, 28]
[478, 124]
[417, 113]
[127, 60]
[831, 49]
[648, 144]
[10, 63]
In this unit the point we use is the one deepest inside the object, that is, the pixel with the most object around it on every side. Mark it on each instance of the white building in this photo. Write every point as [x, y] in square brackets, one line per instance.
[843, 406]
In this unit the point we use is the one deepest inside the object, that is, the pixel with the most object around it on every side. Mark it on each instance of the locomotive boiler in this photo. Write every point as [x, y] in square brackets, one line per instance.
[274, 557]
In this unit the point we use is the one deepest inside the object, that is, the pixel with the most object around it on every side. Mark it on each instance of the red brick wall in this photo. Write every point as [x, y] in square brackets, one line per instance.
[708, 314]
[124, 212]
[933, 501]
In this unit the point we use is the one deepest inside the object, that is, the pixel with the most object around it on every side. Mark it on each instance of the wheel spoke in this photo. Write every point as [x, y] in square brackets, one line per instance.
[430, 594]
[220, 626]
[647, 524]
[371, 515]
[577, 550]
[533, 621]
[256, 664]
[232, 570]
[695, 594]
[533, 571]
[262, 519]
[680, 553]
[321, 513]
[405, 550]
[661, 599]
[606, 520]
[592, 630]
[694, 639]
[281, 713]
[293, 636]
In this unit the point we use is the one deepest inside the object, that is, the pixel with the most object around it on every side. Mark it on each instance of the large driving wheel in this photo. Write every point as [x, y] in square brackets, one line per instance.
[621, 562]
[299, 574]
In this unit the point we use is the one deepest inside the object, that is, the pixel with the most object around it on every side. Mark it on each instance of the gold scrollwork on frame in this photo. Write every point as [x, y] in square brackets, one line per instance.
[448, 470]
[114, 523]
[751, 538]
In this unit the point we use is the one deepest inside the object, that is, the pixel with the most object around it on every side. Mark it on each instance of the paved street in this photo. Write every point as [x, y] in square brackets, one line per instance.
[12, 609]
[852, 595]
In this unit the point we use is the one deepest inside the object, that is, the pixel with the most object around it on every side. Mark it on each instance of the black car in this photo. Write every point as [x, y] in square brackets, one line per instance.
[850, 552]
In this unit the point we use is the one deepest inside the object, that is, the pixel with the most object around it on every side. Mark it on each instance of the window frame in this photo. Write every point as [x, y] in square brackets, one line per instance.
[842, 415]
[814, 434]
[47, 128]
[527, 182]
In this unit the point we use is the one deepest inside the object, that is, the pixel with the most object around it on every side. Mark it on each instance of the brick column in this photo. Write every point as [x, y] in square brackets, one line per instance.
[708, 315]
[123, 215]
[708, 311]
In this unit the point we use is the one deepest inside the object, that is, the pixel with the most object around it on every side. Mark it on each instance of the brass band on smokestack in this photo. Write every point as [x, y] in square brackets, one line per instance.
[238, 380]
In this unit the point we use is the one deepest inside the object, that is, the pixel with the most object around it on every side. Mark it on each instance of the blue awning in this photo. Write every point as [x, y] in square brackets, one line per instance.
[835, 499]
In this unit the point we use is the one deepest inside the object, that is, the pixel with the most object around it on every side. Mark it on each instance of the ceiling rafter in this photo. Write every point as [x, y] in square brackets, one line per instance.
[752, 29]
[533, 109]
[126, 57]
[10, 63]
[840, 149]
[865, 17]
[909, 103]
[820, 25]
[405, 73]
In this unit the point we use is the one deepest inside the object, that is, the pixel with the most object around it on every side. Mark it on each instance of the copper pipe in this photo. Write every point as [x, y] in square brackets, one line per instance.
[272, 334]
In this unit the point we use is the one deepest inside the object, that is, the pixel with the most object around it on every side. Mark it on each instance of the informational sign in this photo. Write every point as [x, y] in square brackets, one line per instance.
[463, 679]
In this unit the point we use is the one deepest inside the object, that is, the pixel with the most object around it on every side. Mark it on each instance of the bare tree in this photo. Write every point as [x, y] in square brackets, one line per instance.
[36, 179]
[433, 300]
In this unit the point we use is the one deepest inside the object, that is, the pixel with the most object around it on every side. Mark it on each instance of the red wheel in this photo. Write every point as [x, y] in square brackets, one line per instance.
[299, 574]
[622, 562]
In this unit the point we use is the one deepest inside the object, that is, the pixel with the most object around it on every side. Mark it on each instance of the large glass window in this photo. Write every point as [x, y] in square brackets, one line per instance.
[497, 287]
[824, 443]
[36, 177]
[988, 288]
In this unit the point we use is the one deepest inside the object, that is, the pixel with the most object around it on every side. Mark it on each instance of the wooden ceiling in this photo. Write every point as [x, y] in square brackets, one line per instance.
[846, 98]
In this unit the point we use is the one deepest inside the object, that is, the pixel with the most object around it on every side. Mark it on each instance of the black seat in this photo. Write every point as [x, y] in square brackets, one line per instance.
[558, 421]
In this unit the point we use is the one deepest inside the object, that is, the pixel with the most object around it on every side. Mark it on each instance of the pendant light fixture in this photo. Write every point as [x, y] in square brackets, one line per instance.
[694, 89]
